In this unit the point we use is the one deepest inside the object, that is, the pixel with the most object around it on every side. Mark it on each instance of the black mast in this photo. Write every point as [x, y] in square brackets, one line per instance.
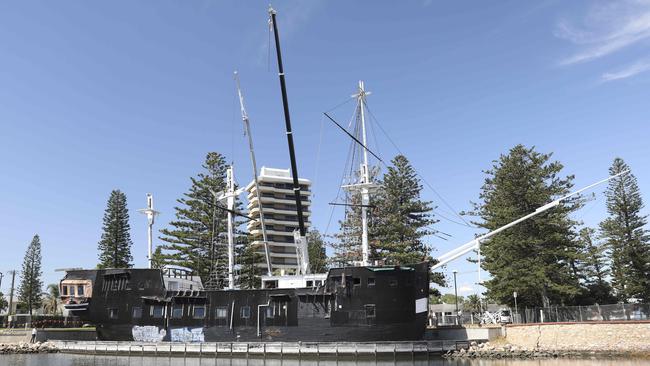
[287, 121]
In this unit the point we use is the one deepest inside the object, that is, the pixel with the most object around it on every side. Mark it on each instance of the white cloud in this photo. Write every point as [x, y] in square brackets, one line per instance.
[607, 28]
[466, 289]
[629, 71]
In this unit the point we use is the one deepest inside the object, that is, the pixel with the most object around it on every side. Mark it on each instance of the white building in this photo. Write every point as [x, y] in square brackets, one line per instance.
[280, 216]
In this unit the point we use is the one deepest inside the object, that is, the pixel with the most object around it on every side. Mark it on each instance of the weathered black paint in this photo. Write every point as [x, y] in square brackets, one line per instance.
[370, 304]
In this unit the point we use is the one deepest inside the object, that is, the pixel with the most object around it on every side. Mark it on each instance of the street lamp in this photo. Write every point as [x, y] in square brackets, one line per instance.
[514, 294]
[456, 295]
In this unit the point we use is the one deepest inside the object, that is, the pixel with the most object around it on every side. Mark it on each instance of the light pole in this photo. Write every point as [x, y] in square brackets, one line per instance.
[456, 295]
[514, 294]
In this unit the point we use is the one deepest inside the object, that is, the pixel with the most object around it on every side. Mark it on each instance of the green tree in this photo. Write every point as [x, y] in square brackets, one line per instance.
[625, 233]
[193, 241]
[472, 304]
[402, 219]
[158, 258]
[31, 283]
[592, 269]
[252, 265]
[52, 299]
[3, 302]
[534, 257]
[115, 245]
[316, 248]
[347, 242]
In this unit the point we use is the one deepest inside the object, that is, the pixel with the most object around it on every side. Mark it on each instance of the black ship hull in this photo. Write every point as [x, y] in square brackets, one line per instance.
[354, 304]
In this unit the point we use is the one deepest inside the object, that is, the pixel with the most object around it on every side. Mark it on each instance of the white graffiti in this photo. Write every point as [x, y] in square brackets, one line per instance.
[187, 335]
[148, 333]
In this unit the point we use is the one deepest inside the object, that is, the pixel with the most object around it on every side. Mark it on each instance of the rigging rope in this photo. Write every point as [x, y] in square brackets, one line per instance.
[426, 183]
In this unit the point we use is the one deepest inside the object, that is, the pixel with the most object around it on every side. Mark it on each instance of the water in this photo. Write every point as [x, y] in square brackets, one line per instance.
[82, 360]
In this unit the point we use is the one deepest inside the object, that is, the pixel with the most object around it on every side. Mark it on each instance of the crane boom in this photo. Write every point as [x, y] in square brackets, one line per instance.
[473, 244]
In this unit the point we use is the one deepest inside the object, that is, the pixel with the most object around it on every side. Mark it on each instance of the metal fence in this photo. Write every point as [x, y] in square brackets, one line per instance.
[553, 314]
[591, 313]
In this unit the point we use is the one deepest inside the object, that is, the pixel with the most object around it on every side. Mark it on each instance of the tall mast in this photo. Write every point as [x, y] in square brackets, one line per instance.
[247, 131]
[365, 176]
[301, 243]
[364, 184]
[229, 196]
[151, 216]
[230, 199]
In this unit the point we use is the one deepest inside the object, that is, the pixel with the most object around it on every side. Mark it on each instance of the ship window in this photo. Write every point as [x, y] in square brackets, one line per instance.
[80, 290]
[177, 311]
[199, 312]
[392, 282]
[245, 312]
[221, 312]
[271, 284]
[157, 311]
[356, 281]
[112, 313]
[136, 312]
[65, 290]
[310, 283]
[371, 281]
[370, 311]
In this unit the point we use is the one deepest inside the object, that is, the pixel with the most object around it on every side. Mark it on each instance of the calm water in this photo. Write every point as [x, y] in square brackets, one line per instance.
[78, 360]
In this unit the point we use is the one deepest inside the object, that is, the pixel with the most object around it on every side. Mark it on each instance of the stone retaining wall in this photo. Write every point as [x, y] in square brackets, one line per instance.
[629, 336]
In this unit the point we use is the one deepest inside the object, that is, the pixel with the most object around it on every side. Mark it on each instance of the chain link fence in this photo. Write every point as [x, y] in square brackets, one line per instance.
[591, 313]
[553, 314]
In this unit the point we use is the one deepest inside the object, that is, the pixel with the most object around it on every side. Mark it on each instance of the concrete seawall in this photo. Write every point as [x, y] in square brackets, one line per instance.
[266, 349]
[628, 336]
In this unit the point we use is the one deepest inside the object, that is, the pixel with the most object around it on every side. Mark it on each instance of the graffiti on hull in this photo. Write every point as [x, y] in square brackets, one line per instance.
[187, 335]
[148, 333]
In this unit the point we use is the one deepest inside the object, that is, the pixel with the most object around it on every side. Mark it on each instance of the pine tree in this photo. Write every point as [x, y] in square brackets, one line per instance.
[402, 219]
[196, 238]
[115, 245]
[347, 242]
[31, 283]
[158, 259]
[3, 302]
[592, 269]
[316, 248]
[625, 233]
[534, 257]
[252, 265]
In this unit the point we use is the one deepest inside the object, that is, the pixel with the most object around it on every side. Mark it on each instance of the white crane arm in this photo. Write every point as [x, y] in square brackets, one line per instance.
[473, 244]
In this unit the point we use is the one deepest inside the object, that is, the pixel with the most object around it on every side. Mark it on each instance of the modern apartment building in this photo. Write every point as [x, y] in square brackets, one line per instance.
[280, 217]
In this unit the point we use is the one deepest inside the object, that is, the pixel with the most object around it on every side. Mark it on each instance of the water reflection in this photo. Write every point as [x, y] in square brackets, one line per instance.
[81, 360]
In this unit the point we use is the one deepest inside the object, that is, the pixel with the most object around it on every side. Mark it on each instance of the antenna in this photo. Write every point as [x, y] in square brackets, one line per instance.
[151, 217]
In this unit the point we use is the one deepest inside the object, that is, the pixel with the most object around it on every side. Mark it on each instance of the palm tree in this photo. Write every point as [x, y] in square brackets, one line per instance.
[51, 304]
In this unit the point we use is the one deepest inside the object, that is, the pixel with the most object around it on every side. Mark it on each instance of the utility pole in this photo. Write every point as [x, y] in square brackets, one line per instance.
[11, 293]
[456, 296]
[151, 216]
[1, 275]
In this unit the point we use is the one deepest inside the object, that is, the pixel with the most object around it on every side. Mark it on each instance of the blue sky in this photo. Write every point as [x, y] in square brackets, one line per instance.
[131, 95]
